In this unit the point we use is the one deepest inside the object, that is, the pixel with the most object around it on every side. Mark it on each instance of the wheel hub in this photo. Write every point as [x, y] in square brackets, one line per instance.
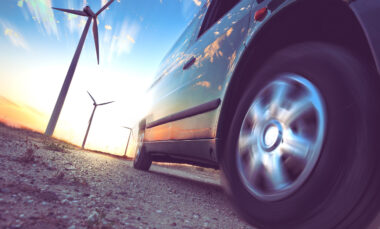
[281, 137]
[271, 135]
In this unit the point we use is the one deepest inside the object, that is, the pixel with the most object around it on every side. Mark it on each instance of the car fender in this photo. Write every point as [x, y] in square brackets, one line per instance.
[366, 12]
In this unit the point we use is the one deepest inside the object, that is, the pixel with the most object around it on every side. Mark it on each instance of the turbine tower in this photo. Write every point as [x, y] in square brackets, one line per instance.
[86, 12]
[129, 136]
[92, 115]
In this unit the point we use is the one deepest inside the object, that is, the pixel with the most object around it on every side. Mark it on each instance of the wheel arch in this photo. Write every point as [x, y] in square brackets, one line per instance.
[330, 21]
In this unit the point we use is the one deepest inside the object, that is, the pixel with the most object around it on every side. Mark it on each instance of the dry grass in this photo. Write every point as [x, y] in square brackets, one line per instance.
[79, 181]
[56, 147]
[28, 156]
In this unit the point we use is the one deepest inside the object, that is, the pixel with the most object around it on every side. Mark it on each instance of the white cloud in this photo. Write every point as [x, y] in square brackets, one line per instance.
[73, 21]
[103, 2]
[131, 39]
[14, 36]
[122, 40]
[190, 8]
[197, 2]
[20, 3]
[42, 12]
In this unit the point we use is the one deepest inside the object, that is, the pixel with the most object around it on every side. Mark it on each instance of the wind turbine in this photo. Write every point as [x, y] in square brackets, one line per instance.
[86, 12]
[92, 115]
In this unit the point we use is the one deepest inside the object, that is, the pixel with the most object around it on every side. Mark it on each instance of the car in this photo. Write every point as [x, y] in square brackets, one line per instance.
[282, 96]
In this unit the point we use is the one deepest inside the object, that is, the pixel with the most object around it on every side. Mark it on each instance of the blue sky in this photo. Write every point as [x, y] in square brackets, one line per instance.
[38, 43]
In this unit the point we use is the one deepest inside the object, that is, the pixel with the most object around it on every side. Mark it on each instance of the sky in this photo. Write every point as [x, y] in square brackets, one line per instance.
[37, 44]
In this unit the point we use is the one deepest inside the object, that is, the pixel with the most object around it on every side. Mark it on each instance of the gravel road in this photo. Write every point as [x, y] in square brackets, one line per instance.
[45, 183]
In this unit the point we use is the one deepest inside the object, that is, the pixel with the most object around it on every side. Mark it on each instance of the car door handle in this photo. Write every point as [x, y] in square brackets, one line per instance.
[189, 63]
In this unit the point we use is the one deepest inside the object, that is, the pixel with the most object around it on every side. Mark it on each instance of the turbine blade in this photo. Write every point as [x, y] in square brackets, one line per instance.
[96, 37]
[104, 7]
[77, 12]
[91, 97]
[105, 103]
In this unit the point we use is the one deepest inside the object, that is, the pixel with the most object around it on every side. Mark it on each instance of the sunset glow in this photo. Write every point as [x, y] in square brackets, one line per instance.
[38, 43]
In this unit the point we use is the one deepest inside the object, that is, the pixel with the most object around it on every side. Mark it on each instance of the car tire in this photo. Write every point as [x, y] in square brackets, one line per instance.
[336, 181]
[142, 160]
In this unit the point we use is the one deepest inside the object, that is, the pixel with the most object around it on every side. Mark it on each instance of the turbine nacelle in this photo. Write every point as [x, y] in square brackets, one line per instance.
[98, 104]
[87, 12]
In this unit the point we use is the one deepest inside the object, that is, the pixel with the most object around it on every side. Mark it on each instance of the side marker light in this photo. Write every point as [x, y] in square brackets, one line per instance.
[261, 14]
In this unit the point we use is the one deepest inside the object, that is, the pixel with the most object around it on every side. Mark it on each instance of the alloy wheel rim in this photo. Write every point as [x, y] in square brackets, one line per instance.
[281, 137]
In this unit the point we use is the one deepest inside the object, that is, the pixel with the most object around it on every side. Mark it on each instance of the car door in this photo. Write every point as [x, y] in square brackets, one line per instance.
[212, 53]
[167, 84]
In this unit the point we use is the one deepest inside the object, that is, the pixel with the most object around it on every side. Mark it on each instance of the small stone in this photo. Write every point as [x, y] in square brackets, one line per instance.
[44, 203]
[64, 201]
[104, 223]
[65, 217]
[71, 227]
[126, 219]
[86, 194]
[70, 168]
[21, 215]
[158, 211]
[196, 216]
[30, 201]
[93, 218]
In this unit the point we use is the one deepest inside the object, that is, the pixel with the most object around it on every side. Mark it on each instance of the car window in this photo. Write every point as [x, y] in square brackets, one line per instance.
[180, 45]
[217, 9]
[183, 41]
[177, 51]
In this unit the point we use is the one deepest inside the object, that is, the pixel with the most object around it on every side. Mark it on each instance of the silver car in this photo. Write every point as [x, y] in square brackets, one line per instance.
[282, 96]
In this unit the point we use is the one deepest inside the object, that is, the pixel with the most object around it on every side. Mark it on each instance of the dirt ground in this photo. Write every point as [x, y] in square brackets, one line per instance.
[46, 183]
